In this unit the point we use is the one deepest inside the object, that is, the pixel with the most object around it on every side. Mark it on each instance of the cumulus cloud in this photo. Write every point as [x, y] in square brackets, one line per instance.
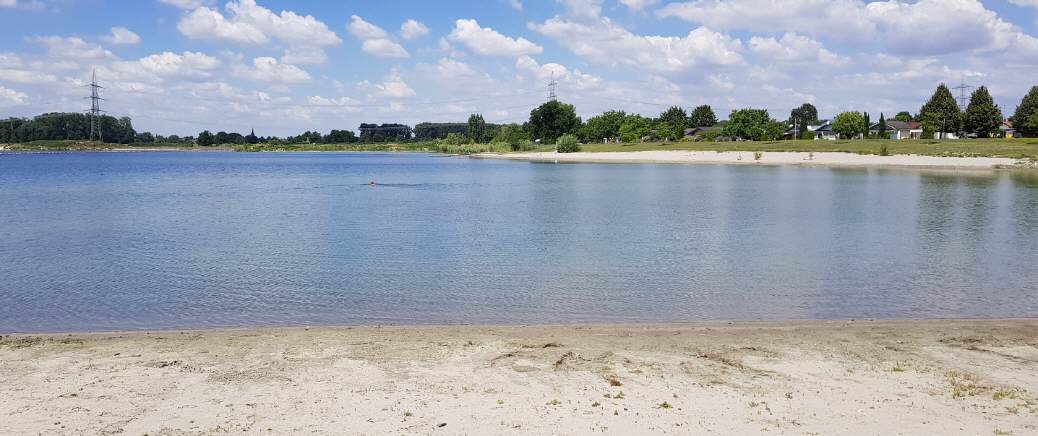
[268, 69]
[637, 5]
[574, 80]
[393, 86]
[606, 43]
[485, 41]
[365, 30]
[516, 4]
[304, 55]
[10, 97]
[794, 48]
[32, 5]
[72, 48]
[384, 48]
[25, 76]
[185, 4]
[250, 23]
[412, 29]
[838, 18]
[122, 36]
[168, 64]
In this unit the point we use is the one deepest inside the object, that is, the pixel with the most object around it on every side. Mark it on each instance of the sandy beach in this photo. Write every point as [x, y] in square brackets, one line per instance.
[802, 378]
[767, 158]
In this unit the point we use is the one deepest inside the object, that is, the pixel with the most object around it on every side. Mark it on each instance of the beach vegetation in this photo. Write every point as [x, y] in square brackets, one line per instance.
[753, 125]
[850, 125]
[551, 120]
[602, 127]
[982, 117]
[634, 128]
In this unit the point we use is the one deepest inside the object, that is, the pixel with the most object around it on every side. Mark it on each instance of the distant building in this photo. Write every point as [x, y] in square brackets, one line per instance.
[1007, 129]
[699, 132]
[899, 129]
[824, 131]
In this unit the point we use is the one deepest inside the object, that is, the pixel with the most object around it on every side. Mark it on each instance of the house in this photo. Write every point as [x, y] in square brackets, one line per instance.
[699, 133]
[1007, 129]
[824, 131]
[899, 129]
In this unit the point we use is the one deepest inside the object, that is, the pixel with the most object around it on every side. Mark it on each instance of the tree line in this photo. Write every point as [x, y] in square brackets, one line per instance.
[940, 115]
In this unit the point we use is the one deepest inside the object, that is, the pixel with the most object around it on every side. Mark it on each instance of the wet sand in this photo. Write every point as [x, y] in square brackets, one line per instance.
[801, 378]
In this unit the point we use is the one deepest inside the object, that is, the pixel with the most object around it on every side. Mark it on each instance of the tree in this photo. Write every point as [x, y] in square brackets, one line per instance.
[552, 120]
[866, 126]
[941, 113]
[702, 116]
[477, 130]
[567, 144]
[144, 138]
[599, 127]
[849, 124]
[634, 128]
[205, 138]
[804, 116]
[1023, 118]
[882, 128]
[904, 117]
[671, 123]
[753, 124]
[513, 135]
[982, 116]
[340, 137]
[251, 138]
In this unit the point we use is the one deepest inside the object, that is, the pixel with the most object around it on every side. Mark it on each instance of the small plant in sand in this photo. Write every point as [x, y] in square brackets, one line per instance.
[554, 402]
[1001, 432]
[758, 155]
[883, 151]
[595, 404]
[500, 402]
[1004, 393]
[567, 144]
[898, 367]
[664, 405]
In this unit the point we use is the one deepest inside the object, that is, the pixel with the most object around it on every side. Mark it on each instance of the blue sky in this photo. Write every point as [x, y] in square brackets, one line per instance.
[281, 67]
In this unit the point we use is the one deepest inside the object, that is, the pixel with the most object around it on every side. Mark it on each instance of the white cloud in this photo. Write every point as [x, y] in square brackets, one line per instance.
[794, 48]
[122, 36]
[1026, 3]
[286, 26]
[609, 44]
[304, 55]
[253, 24]
[839, 18]
[964, 25]
[485, 41]
[365, 30]
[572, 80]
[185, 4]
[31, 5]
[583, 9]
[25, 76]
[268, 69]
[637, 5]
[384, 48]
[167, 64]
[412, 29]
[72, 48]
[205, 23]
[516, 4]
[392, 87]
[10, 97]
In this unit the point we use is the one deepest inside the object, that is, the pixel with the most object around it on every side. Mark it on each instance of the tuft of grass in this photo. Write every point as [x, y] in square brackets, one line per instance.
[595, 404]
[965, 385]
[1004, 393]
[898, 367]
[500, 402]
[554, 402]
[758, 155]
[664, 405]
[1001, 432]
[408, 414]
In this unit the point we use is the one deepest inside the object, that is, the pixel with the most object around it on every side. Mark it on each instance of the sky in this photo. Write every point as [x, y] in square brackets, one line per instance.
[283, 67]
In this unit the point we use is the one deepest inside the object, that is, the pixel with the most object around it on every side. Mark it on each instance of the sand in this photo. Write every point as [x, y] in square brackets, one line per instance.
[804, 378]
[767, 158]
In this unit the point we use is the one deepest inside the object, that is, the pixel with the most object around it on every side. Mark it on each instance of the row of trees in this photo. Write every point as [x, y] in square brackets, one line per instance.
[61, 126]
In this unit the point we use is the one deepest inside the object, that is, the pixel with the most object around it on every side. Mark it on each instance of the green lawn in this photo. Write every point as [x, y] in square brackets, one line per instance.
[1011, 148]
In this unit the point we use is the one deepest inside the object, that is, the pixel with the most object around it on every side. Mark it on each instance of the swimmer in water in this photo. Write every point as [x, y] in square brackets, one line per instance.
[372, 183]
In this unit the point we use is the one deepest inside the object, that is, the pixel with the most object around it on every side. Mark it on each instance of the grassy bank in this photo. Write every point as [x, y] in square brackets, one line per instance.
[72, 145]
[1009, 148]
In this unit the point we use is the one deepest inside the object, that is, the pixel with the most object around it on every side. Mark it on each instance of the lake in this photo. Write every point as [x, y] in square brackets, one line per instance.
[127, 241]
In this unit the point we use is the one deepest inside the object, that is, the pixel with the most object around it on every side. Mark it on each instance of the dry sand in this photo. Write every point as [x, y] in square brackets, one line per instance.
[809, 378]
[767, 158]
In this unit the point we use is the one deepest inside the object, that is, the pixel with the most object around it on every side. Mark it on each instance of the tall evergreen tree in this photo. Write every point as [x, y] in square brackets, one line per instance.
[477, 130]
[1025, 119]
[982, 115]
[941, 113]
[882, 128]
[866, 126]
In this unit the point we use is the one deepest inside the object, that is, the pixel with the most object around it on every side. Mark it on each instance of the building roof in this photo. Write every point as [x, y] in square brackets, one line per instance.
[898, 125]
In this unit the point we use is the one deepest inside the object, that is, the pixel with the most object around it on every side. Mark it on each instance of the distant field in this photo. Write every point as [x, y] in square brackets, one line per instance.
[1010, 148]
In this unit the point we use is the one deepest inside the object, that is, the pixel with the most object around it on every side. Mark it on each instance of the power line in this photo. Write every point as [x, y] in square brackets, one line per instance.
[552, 88]
[963, 89]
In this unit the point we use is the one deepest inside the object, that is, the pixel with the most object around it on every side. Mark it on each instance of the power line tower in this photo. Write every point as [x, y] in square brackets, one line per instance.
[552, 87]
[964, 91]
[95, 107]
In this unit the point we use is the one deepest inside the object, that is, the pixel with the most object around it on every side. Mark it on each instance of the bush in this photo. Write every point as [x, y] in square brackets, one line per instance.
[456, 139]
[567, 144]
[807, 135]
[883, 151]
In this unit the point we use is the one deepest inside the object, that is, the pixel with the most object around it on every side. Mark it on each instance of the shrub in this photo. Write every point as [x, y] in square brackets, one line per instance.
[807, 135]
[456, 139]
[567, 144]
[883, 151]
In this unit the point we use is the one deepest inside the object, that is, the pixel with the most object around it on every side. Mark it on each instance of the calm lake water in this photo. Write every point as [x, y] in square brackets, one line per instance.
[100, 241]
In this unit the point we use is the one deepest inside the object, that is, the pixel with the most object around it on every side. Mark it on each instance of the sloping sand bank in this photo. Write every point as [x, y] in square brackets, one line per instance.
[767, 158]
[911, 377]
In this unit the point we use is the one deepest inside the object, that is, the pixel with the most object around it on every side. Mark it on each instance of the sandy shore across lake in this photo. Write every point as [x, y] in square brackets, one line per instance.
[767, 158]
[798, 378]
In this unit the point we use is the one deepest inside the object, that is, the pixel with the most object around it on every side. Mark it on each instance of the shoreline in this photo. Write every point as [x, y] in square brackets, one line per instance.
[784, 377]
[820, 159]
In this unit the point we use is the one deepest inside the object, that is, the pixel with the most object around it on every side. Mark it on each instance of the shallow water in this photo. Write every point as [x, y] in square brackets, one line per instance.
[111, 241]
